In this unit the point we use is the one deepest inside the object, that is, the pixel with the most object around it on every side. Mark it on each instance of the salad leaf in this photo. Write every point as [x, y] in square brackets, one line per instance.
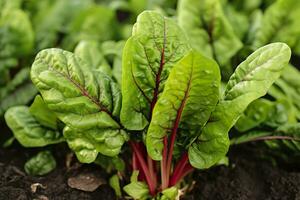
[88, 143]
[42, 113]
[41, 164]
[28, 131]
[137, 189]
[251, 80]
[90, 52]
[87, 102]
[208, 29]
[255, 114]
[190, 95]
[279, 24]
[156, 45]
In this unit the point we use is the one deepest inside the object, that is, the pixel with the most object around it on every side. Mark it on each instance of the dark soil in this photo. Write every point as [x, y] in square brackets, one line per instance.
[16, 185]
[247, 177]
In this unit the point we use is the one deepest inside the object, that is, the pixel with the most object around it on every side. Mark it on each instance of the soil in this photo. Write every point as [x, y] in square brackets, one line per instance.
[249, 176]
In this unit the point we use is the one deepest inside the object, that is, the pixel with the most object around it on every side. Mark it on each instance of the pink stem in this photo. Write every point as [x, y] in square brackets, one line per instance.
[163, 165]
[144, 168]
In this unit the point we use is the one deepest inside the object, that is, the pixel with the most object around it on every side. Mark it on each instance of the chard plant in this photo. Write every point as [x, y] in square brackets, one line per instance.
[169, 109]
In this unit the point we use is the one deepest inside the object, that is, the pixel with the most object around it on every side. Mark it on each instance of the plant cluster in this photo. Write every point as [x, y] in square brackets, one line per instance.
[167, 97]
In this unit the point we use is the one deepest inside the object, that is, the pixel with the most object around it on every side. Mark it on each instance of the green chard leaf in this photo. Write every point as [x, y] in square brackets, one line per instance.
[190, 95]
[96, 22]
[28, 131]
[88, 102]
[208, 29]
[114, 182]
[16, 34]
[148, 56]
[288, 88]
[255, 114]
[90, 52]
[137, 189]
[169, 193]
[42, 113]
[18, 91]
[280, 23]
[251, 80]
[41, 164]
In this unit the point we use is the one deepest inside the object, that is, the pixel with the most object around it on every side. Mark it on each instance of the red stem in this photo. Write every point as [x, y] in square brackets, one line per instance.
[151, 169]
[163, 165]
[144, 168]
[170, 154]
[188, 169]
[178, 168]
[134, 162]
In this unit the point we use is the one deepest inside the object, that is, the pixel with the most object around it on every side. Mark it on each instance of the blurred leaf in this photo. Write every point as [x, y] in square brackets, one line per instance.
[41, 164]
[27, 130]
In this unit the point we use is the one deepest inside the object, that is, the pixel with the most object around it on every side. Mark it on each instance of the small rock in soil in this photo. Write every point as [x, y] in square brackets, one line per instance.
[35, 186]
[88, 182]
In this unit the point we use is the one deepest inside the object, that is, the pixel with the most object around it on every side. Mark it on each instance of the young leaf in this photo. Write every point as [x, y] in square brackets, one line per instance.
[169, 193]
[27, 130]
[8, 142]
[251, 80]
[41, 164]
[88, 143]
[137, 189]
[148, 56]
[208, 29]
[255, 114]
[114, 182]
[42, 113]
[90, 52]
[190, 95]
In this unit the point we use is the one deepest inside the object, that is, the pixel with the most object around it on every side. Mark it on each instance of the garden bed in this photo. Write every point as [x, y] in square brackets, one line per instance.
[247, 177]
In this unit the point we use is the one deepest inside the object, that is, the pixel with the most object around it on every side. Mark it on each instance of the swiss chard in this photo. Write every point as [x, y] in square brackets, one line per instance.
[170, 107]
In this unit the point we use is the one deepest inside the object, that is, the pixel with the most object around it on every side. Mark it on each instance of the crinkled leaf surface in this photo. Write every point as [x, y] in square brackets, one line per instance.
[251, 80]
[41, 164]
[27, 130]
[190, 95]
[208, 29]
[87, 102]
[88, 143]
[148, 56]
